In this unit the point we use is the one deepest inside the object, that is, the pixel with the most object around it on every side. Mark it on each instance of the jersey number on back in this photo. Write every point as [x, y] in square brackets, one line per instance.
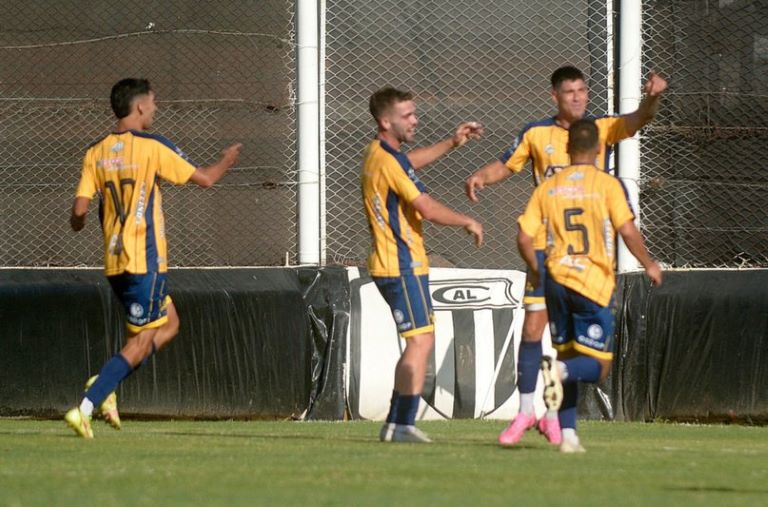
[568, 214]
[122, 202]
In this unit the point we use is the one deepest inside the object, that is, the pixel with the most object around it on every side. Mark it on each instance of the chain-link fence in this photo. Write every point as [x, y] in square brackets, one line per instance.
[704, 190]
[223, 72]
[477, 60]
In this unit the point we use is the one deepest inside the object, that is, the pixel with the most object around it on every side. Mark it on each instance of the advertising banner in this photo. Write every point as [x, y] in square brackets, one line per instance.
[473, 369]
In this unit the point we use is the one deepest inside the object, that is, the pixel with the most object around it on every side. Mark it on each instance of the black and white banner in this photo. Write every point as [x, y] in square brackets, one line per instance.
[472, 371]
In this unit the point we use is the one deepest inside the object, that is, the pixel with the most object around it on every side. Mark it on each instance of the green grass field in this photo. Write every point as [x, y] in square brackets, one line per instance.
[333, 463]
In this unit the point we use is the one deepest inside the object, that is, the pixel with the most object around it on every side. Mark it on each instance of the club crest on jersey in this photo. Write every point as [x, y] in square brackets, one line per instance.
[595, 331]
[118, 146]
[136, 310]
[549, 149]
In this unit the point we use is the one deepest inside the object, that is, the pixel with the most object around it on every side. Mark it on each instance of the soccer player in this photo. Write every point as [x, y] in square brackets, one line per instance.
[396, 202]
[125, 168]
[544, 143]
[580, 209]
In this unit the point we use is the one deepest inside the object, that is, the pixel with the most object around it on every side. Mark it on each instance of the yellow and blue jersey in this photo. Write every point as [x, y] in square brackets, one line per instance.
[389, 185]
[124, 169]
[545, 144]
[580, 209]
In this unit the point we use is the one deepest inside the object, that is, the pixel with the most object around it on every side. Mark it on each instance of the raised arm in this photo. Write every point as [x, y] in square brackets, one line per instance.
[207, 176]
[421, 157]
[436, 212]
[653, 88]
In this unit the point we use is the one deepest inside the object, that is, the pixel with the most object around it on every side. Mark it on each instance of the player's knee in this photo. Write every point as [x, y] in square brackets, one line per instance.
[420, 344]
[138, 347]
[171, 328]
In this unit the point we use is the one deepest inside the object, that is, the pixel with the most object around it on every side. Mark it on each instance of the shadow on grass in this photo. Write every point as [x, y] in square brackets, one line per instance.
[716, 489]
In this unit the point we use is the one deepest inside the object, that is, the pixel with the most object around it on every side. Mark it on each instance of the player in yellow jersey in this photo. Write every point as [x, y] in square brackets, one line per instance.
[396, 202]
[579, 209]
[544, 144]
[123, 169]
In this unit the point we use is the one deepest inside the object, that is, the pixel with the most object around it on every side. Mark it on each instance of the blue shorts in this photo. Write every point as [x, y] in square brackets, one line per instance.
[144, 297]
[408, 298]
[579, 324]
[533, 299]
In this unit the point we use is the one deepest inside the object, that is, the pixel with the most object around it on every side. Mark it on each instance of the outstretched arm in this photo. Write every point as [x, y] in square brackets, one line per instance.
[653, 88]
[438, 213]
[421, 157]
[634, 241]
[489, 174]
[207, 176]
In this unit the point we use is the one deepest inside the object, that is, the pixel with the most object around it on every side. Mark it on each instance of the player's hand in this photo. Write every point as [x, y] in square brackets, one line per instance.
[77, 222]
[654, 273]
[466, 131]
[231, 153]
[655, 85]
[531, 280]
[475, 228]
[473, 183]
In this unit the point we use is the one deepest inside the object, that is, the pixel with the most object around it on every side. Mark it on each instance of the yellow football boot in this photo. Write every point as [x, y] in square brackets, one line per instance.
[79, 422]
[108, 408]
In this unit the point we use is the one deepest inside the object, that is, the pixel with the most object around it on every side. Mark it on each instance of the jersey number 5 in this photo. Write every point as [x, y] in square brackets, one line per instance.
[568, 215]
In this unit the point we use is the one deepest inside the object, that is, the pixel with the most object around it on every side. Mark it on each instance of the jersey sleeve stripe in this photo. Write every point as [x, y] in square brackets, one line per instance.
[165, 142]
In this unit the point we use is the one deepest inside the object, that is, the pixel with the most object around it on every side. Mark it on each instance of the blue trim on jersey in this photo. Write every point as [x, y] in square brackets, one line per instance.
[165, 142]
[626, 196]
[607, 160]
[405, 164]
[546, 122]
[151, 252]
[96, 142]
[404, 258]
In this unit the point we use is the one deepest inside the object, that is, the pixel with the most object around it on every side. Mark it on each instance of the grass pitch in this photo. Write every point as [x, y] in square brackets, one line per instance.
[231, 463]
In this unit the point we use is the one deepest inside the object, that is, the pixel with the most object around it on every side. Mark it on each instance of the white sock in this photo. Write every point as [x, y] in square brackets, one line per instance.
[86, 407]
[562, 369]
[569, 434]
[526, 403]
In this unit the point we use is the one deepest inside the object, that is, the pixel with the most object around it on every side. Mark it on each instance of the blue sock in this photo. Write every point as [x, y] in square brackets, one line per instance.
[582, 369]
[567, 412]
[111, 374]
[407, 405]
[393, 407]
[528, 364]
